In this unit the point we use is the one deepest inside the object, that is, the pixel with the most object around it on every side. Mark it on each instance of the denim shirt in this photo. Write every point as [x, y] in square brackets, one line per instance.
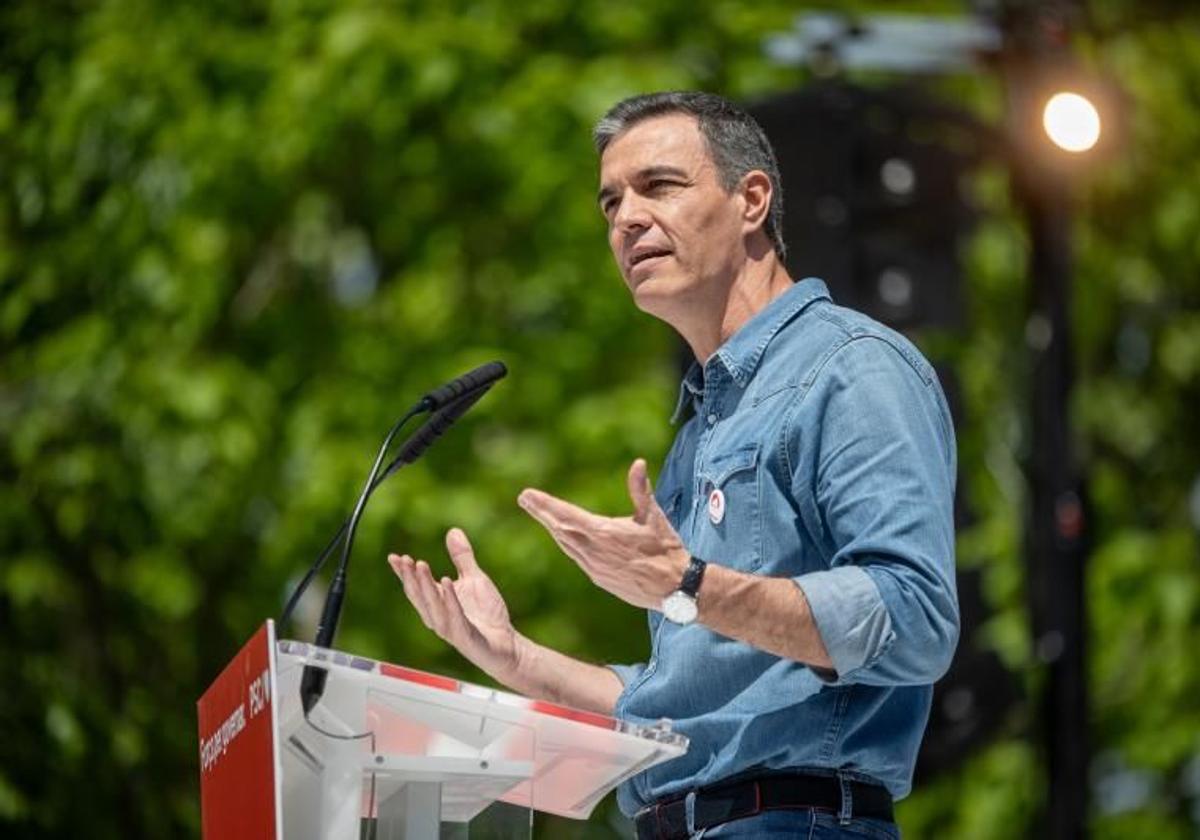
[830, 439]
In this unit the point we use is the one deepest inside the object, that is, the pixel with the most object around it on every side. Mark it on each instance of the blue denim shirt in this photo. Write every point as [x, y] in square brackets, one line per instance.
[830, 439]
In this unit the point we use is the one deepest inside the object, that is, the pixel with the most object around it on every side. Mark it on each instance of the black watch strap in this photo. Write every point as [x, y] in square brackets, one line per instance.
[692, 577]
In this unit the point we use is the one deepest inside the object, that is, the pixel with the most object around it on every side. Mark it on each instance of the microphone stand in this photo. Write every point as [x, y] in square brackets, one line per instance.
[455, 403]
[312, 683]
[463, 391]
[294, 599]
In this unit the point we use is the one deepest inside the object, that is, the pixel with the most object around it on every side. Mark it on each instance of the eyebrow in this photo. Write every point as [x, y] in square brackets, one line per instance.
[644, 175]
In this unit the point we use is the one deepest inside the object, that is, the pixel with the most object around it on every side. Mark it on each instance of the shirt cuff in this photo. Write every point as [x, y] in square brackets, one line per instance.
[851, 617]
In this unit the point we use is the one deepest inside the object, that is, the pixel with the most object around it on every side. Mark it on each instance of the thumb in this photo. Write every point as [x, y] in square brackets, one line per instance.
[640, 491]
[461, 552]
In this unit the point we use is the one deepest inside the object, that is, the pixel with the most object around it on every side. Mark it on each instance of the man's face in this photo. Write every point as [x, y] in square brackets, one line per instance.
[676, 234]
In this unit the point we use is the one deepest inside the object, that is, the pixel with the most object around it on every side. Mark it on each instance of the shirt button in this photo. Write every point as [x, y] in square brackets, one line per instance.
[712, 418]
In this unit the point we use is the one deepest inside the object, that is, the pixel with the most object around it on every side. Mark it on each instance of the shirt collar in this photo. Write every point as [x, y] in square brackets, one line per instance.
[690, 390]
[743, 350]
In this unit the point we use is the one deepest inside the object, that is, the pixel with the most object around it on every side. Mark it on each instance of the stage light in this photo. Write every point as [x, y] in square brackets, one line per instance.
[1071, 121]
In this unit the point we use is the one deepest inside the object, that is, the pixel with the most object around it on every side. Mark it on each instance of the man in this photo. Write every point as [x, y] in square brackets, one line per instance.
[798, 555]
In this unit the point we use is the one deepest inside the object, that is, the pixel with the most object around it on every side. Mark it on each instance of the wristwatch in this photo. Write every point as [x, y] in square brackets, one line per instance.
[680, 606]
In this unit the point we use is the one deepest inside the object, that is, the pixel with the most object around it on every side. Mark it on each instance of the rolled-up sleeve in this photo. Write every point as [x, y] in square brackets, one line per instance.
[850, 615]
[627, 673]
[876, 468]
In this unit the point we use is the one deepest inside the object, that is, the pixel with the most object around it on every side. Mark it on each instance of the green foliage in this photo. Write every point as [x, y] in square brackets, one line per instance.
[237, 239]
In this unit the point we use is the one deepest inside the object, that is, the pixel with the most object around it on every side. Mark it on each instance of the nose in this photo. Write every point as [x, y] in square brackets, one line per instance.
[631, 215]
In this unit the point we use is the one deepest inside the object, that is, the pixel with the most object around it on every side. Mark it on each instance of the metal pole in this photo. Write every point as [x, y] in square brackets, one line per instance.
[1056, 537]
[1057, 524]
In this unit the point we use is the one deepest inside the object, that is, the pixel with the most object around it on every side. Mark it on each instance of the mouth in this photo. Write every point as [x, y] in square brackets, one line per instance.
[645, 256]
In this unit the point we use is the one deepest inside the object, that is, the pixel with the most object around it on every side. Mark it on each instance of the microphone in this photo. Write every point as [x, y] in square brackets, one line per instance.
[455, 399]
[432, 429]
[479, 379]
[471, 385]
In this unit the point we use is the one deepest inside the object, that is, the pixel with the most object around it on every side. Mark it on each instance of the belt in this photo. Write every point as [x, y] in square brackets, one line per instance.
[726, 801]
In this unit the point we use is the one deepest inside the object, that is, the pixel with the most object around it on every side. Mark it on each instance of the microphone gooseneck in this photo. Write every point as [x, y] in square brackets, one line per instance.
[302, 586]
[478, 380]
[448, 403]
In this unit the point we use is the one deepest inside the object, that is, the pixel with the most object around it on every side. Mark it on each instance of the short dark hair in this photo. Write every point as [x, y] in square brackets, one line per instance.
[735, 141]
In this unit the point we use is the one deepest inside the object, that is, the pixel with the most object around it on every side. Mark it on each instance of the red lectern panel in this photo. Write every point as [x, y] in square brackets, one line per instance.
[238, 755]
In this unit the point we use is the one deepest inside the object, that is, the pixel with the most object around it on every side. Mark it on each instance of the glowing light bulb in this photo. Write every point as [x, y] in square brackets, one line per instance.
[1072, 122]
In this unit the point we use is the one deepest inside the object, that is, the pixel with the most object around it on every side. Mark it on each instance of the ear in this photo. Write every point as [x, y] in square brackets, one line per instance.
[756, 199]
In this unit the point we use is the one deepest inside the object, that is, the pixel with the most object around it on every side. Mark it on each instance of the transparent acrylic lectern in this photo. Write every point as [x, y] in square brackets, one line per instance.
[390, 752]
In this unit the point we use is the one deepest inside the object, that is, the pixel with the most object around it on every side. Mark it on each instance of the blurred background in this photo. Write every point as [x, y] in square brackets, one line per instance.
[238, 239]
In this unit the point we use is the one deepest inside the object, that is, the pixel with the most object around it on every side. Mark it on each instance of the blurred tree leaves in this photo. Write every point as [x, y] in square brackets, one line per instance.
[237, 239]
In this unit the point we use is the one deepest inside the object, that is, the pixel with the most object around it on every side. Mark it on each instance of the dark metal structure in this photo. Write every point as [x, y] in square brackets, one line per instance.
[1056, 535]
[873, 187]
[871, 182]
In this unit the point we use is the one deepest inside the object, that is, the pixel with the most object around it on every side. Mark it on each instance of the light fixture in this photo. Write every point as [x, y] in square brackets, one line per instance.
[1071, 121]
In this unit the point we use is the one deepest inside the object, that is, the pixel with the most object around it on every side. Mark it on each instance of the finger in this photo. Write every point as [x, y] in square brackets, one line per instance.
[397, 564]
[576, 551]
[406, 568]
[570, 537]
[402, 566]
[455, 615]
[431, 595]
[551, 511]
[461, 552]
[640, 492]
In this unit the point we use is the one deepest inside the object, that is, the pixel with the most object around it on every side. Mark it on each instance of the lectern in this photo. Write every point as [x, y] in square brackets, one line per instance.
[391, 752]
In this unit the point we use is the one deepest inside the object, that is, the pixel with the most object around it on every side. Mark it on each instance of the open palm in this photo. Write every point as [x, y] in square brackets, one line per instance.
[468, 612]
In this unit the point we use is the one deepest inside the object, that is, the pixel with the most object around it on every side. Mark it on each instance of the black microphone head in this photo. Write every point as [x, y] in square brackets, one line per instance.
[433, 428]
[483, 377]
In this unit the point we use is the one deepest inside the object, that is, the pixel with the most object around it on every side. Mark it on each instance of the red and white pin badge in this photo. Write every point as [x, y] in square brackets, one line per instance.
[716, 506]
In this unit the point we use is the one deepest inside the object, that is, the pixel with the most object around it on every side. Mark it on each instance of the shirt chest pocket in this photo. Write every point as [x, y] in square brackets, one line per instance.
[728, 522]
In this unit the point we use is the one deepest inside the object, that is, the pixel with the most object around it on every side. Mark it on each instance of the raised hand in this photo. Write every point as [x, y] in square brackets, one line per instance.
[638, 558]
[468, 612]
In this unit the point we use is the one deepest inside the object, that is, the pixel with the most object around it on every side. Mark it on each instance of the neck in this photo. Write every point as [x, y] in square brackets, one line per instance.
[756, 284]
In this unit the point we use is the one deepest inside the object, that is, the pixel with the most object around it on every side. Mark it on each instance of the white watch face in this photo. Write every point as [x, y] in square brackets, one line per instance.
[679, 607]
